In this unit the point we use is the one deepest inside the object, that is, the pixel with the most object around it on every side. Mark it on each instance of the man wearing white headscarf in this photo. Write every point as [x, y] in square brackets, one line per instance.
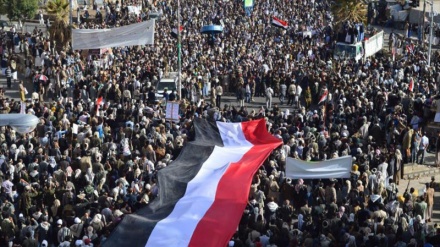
[398, 166]
[383, 169]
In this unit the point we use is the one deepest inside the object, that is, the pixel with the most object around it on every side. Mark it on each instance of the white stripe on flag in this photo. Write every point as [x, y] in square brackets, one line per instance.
[323, 97]
[232, 134]
[198, 198]
[201, 189]
[279, 22]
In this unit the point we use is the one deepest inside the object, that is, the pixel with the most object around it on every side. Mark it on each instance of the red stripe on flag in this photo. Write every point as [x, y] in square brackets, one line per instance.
[323, 97]
[99, 100]
[411, 85]
[222, 218]
[256, 133]
[175, 29]
[279, 22]
[98, 104]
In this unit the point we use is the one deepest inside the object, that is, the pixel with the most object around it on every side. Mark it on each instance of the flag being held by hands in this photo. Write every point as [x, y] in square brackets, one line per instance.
[279, 23]
[411, 85]
[323, 97]
[175, 33]
[99, 102]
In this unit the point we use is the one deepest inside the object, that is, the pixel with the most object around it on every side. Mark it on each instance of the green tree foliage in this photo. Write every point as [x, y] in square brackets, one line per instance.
[349, 10]
[59, 29]
[19, 9]
[59, 9]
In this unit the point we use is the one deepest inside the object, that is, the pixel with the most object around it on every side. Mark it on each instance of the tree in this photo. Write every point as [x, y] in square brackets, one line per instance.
[60, 29]
[19, 9]
[349, 10]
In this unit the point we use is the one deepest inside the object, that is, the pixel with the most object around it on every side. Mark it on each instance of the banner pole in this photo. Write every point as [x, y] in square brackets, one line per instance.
[179, 50]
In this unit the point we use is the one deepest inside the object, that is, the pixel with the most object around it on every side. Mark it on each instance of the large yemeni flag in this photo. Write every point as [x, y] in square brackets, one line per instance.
[279, 23]
[204, 191]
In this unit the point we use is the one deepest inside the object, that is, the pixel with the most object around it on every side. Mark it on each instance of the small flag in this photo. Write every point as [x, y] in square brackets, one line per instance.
[323, 97]
[75, 129]
[411, 85]
[174, 32]
[410, 48]
[99, 101]
[279, 23]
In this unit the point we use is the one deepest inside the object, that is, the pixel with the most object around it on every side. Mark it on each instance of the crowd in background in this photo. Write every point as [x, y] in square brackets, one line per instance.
[64, 187]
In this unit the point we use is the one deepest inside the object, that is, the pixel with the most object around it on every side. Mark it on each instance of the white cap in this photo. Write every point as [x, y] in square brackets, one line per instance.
[77, 220]
[59, 222]
[20, 216]
[78, 242]
[44, 243]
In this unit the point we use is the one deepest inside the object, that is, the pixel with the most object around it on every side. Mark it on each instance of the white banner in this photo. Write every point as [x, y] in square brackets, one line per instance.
[374, 44]
[134, 9]
[334, 168]
[136, 34]
[172, 111]
[75, 129]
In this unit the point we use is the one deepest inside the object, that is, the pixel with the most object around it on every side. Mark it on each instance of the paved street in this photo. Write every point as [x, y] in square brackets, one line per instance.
[13, 92]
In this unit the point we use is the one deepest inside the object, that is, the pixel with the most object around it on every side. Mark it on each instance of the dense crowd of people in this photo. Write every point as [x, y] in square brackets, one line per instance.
[63, 186]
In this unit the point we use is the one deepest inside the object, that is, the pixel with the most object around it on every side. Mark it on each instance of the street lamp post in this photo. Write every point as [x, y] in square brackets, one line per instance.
[423, 23]
[179, 51]
[430, 32]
